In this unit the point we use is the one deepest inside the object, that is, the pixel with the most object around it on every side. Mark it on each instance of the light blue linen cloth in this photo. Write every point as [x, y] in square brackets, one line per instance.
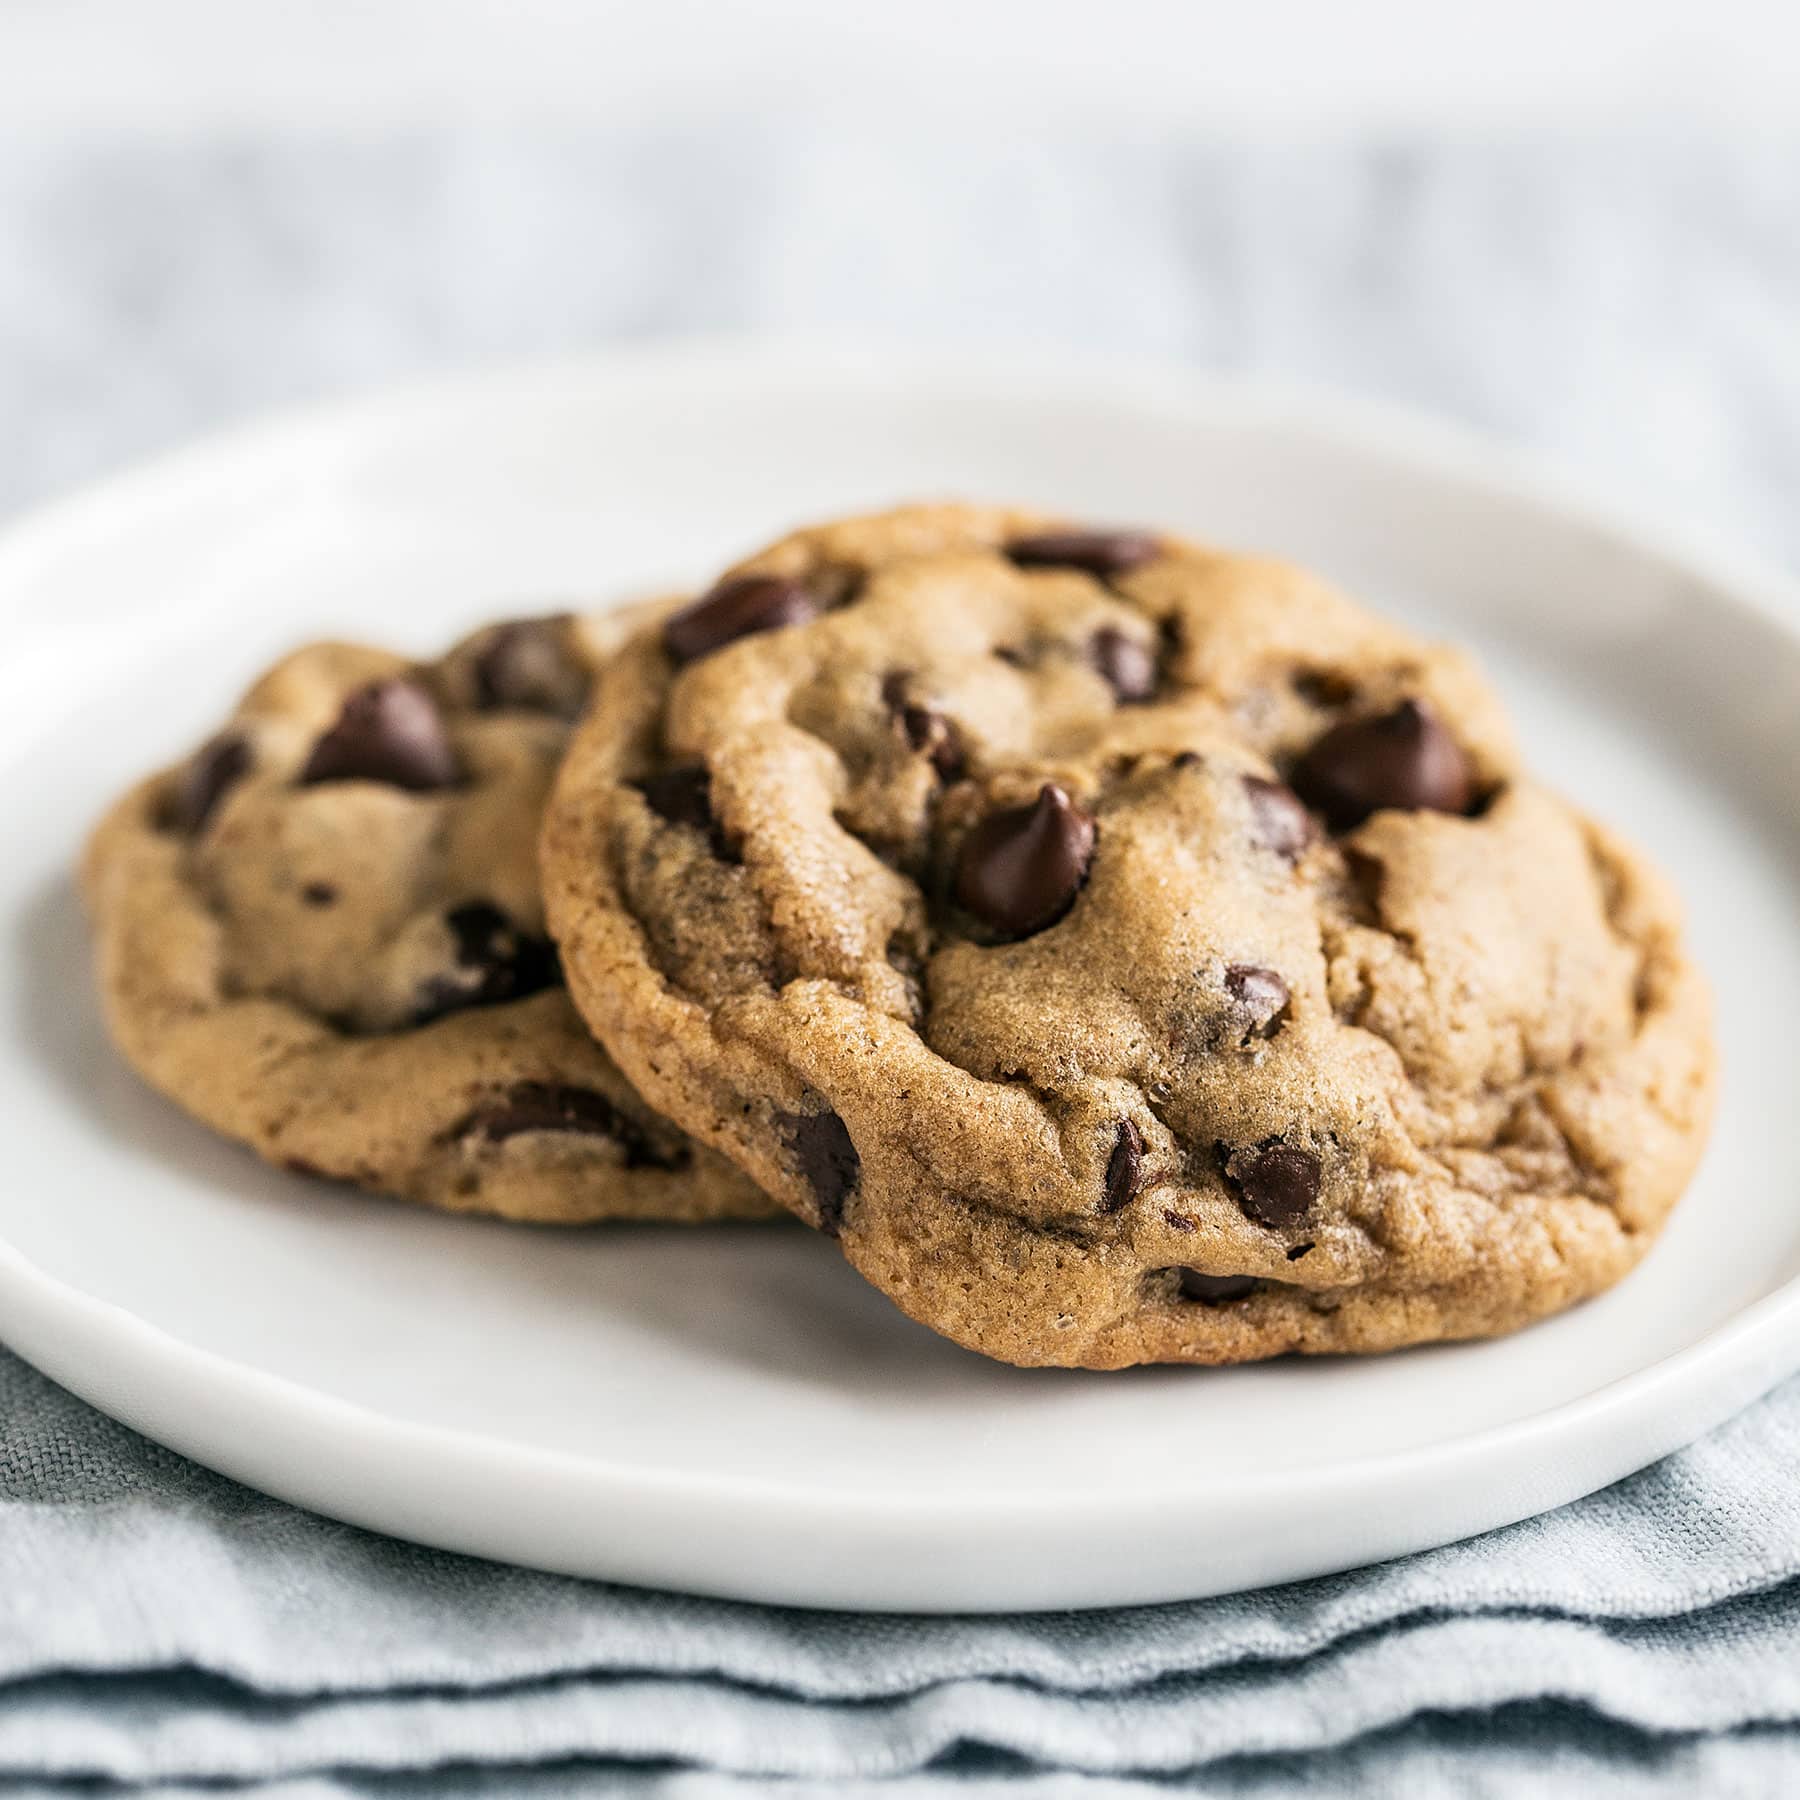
[159, 1625]
[1626, 304]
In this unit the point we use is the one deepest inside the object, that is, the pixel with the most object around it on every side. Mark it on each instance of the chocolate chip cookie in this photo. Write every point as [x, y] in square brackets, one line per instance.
[322, 935]
[1129, 952]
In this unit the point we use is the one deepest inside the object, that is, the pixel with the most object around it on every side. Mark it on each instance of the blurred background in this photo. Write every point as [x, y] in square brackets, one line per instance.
[1576, 225]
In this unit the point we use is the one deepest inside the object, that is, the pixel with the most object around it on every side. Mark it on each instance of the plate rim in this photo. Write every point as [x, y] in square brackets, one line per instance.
[1741, 1357]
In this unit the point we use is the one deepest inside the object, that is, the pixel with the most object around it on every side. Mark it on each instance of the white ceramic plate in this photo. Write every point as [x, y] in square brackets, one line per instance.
[733, 1411]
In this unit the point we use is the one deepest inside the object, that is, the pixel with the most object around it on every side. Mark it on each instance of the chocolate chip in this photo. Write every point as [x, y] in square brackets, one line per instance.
[1405, 759]
[1367, 876]
[525, 664]
[319, 893]
[939, 739]
[683, 796]
[1021, 867]
[388, 731]
[1274, 1184]
[1262, 995]
[1278, 817]
[1126, 664]
[214, 769]
[1215, 1290]
[828, 1160]
[736, 608]
[1125, 1167]
[529, 1106]
[926, 730]
[1322, 687]
[495, 962]
[1102, 554]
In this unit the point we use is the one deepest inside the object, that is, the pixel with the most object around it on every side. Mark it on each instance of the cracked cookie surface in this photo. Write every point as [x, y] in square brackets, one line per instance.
[323, 936]
[1129, 952]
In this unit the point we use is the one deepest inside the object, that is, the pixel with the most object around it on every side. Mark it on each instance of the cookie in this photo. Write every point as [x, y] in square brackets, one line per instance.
[1129, 952]
[322, 935]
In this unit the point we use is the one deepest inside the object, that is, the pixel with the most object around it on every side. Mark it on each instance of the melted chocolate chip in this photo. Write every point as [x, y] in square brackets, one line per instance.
[683, 796]
[495, 962]
[828, 1160]
[1102, 554]
[1125, 1167]
[1021, 867]
[1404, 759]
[1215, 1290]
[213, 770]
[1261, 994]
[1273, 1183]
[1126, 664]
[1278, 818]
[389, 731]
[525, 664]
[529, 1106]
[734, 609]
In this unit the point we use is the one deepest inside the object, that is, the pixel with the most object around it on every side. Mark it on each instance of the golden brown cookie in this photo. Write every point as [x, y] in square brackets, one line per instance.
[1132, 953]
[322, 935]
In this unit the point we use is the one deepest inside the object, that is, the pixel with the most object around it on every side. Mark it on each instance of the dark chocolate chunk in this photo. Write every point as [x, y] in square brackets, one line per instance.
[495, 962]
[525, 664]
[555, 1106]
[683, 796]
[828, 1160]
[1126, 664]
[1273, 1183]
[388, 731]
[1125, 1167]
[1102, 554]
[1262, 996]
[1278, 818]
[213, 770]
[1404, 759]
[1215, 1290]
[734, 609]
[1021, 867]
